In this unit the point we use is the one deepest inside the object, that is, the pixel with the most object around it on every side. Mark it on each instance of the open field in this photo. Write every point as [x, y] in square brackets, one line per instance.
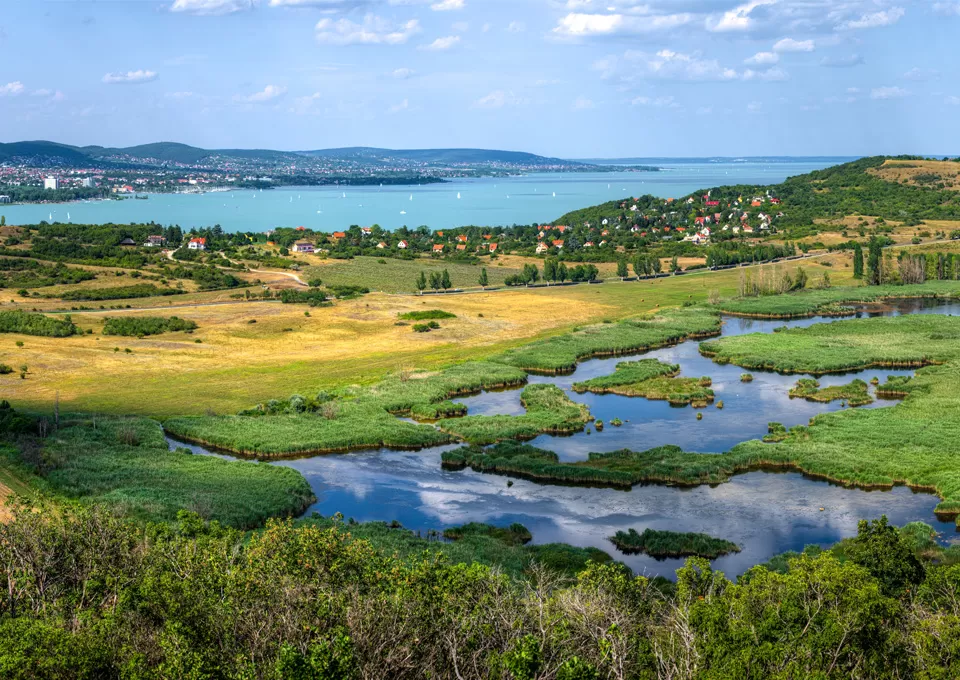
[920, 173]
[237, 363]
[390, 275]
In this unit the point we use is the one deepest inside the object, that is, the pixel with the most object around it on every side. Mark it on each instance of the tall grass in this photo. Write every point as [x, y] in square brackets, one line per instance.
[855, 393]
[651, 379]
[830, 301]
[549, 410]
[560, 354]
[125, 463]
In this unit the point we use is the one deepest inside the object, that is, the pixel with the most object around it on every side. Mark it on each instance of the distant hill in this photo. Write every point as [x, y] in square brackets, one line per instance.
[50, 152]
[440, 156]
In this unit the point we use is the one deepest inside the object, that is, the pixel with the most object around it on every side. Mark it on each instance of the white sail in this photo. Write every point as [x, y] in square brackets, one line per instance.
[458, 195]
[403, 212]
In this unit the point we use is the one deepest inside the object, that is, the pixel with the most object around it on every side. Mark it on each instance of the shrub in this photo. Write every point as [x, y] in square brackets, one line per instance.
[27, 323]
[146, 325]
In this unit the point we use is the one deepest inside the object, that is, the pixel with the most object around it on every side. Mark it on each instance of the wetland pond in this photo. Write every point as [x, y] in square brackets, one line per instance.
[765, 513]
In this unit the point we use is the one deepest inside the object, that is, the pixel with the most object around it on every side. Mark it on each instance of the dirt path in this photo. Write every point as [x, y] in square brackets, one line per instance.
[5, 515]
[287, 274]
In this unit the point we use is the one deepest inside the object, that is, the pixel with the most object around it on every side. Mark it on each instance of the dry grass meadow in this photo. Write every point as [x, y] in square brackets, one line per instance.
[250, 351]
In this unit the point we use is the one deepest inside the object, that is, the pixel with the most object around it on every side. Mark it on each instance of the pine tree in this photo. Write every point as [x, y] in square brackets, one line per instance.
[857, 261]
[484, 281]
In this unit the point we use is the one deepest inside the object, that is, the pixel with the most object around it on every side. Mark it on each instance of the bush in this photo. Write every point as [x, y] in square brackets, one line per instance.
[27, 323]
[427, 315]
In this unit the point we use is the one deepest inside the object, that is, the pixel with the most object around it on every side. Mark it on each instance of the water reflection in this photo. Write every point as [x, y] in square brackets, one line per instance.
[765, 513]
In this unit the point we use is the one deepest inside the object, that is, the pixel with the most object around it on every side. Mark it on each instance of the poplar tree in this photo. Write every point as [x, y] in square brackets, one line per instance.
[857, 261]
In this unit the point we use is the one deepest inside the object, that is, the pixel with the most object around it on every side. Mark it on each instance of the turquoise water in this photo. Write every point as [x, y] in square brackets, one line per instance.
[499, 201]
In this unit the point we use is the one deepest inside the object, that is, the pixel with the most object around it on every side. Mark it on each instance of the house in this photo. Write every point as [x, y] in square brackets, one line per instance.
[461, 246]
[748, 230]
[713, 204]
[438, 247]
[775, 201]
[492, 247]
[155, 241]
[297, 229]
[197, 244]
[542, 247]
[365, 230]
[381, 245]
[588, 244]
[487, 237]
[562, 228]
[128, 242]
[339, 235]
[303, 247]
[462, 238]
[440, 234]
[755, 203]
[699, 220]
[558, 243]
[402, 245]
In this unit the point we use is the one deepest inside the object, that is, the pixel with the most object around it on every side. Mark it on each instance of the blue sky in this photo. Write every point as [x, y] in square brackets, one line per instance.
[572, 78]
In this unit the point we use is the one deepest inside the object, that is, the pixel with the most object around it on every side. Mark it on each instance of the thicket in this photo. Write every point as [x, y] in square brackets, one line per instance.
[664, 544]
[139, 326]
[29, 323]
[139, 290]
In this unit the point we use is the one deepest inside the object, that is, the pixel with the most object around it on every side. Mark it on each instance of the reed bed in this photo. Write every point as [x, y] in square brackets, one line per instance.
[515, 534]
[894, 342]
[651, 379]
[349, 426]
[664, 544]
[830, 302]
[125, 463]
[561, 354]
[855, 393]
[549, 411]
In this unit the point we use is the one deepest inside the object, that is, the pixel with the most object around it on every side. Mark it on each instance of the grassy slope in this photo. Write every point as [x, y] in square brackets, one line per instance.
[399, 276]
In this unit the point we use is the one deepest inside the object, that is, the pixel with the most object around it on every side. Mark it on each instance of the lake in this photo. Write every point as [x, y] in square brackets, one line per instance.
[501, 201]
[766, 513]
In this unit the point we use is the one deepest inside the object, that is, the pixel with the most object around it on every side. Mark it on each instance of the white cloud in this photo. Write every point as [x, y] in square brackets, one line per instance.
[441, 44]
[921, 74]
[738, 18]
[771, 74]
[947, 8]
[755, 107]
[179, 95]
[373, 31]
[397, 108]
[140, 76]
[51, 95]
[268, 93]
[547, 82]
[580, 25]
[460, 26]
[212, 7]
[403, 73]
[516, 27]
[853, 90]
[953, 100]
[873, 19]
[763, 59]
[791, 45]
[11, 89]
[704, 110]
[583, 104]
[888, 92]
[842, 62]
[447, 5]
[678, 66]
[304, 105]
[656, 102]
[497, 100]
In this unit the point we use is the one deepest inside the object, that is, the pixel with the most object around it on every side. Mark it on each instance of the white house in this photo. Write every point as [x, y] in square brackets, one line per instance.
[197, 244]
[303, 247]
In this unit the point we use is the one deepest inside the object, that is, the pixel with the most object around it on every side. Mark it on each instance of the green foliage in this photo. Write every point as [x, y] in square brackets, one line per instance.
[125, 463]
[426, 315]
[561, 353]
[855, 393]
[312, 297]
[139, 290]
[651, 379]
[672, 544]
[23, 273]
[515, 534]
[28, 323]
[139, 326]
[549, 411]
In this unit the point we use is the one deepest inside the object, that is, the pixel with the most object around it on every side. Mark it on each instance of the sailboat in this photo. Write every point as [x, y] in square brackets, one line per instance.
[458, 195]
[291, 199]
[403, 212]
[411, 197]
[554, 194]
[344, 195]
[50, 218]
[68, 217]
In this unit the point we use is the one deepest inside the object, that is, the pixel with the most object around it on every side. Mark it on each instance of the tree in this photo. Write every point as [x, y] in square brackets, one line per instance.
[550, 269]
[3, 220]
[483, 281]
[622, 269]
[880, 549]
[674, 264]
[656, 266]
[436, 281]
[421, 282]
[562, 273]
[857, 261]
[874, 262]
[445, 280]
[640, 266]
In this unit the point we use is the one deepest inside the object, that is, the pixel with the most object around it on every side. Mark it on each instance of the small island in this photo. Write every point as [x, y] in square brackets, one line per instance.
[665, 544]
